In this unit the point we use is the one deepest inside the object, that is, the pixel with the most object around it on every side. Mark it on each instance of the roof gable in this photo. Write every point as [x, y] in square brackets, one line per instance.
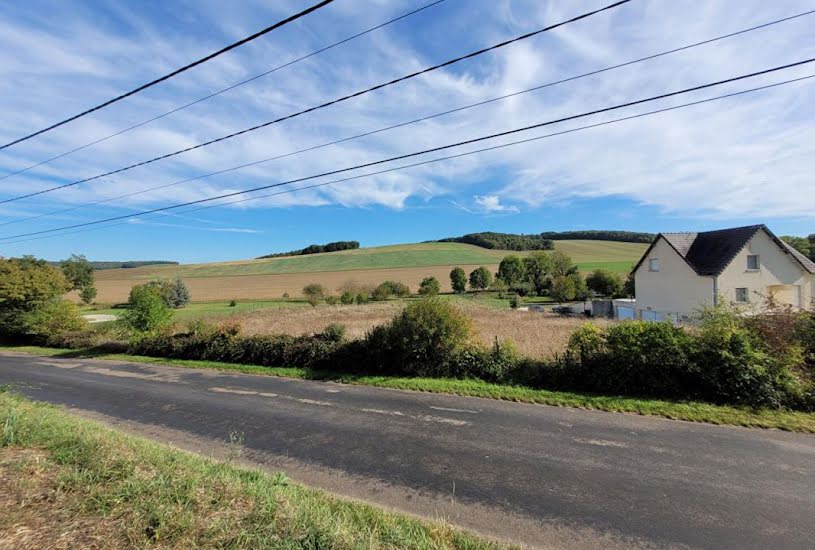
[708, 253]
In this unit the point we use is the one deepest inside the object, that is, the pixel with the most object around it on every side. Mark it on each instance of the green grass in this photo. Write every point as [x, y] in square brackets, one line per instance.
[587, 254]
[690, 411]
[125, 491]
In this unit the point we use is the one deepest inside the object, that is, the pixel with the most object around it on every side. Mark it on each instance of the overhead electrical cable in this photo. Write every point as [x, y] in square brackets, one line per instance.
[440, 159]
[326, 104]
[176, 72]
[432, 149]
[410, 122]
[222, 90]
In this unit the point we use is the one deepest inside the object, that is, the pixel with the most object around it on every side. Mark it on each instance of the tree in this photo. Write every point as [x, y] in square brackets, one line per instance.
[537, 267]
[480, 278]
[628, 287]
[511, 270]
[563, 289]
[605, 283]
[561, 264]
[27, 284]
[147, 311]
[78, 270]
[314, 293]
[87, 294]
[429, 286]
[175, 293]
[801, 244]
[811, 240]
[458, 279]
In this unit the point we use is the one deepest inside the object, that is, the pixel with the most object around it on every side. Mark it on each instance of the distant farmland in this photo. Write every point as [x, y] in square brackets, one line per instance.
[270, 278]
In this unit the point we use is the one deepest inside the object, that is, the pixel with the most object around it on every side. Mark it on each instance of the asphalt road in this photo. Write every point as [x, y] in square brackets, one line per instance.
[541, 476]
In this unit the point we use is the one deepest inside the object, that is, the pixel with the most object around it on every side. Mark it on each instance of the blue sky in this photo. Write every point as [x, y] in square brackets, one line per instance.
[738, 161]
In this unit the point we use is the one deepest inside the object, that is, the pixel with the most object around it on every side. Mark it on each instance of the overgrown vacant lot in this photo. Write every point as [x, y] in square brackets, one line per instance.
[270, 278]
[70, 483]
[536, 335]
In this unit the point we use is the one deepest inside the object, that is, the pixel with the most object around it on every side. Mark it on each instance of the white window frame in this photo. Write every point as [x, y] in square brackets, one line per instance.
[652, 262]
[746, 295]
[758, 262]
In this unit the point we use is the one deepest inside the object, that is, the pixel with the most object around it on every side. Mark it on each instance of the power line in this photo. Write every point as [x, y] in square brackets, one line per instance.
[449, 157]
[328, 103]
[176, 72]
[416, 120]
[430, 150]
[223, 90]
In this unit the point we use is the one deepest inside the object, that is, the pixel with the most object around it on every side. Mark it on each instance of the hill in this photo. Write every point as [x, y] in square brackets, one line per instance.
[270, 278]
[316, 249]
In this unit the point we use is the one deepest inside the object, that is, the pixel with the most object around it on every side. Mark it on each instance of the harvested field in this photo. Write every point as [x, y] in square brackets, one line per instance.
[262, 287]
[538, 335]
[270, 278]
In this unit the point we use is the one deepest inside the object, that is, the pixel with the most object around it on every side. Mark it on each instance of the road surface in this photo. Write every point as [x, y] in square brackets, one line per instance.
[541, 476]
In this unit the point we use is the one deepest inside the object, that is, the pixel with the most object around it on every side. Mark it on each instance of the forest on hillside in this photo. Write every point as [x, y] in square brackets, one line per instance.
[544, 241]
[315, 249]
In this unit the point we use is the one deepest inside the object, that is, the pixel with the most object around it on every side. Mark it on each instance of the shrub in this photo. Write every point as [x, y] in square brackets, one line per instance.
[429, 286]
[491, 365]
[233, 303]
[381, 292]
[514, 301]
[285, 295]
[25, 285]
[334, 332]
[174, 293]
[563, 289]
[361, 299]
[347, 297]
[480, 278]
[523, 289]
[399, 289]
[332, 300]
[458, 280]
[423, 340]
[314, 293]
[54, 318]
[147, 311]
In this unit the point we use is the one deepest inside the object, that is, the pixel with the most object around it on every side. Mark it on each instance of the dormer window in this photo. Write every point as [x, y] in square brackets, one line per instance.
[653, 264]
[753, 262]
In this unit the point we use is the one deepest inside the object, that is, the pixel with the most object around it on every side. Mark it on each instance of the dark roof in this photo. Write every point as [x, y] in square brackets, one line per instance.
[708, 253]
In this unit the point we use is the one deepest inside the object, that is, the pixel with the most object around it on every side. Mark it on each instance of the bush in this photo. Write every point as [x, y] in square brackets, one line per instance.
[332, 300]
[423, 340]
[26, 284]
[429, 286]
[523, 289]
[233, 303]
[347, 297]
[381, 293]
[174, 293]
[514, 301]
[54, 318]
[563, 289]
[285, 295]
[314, 293]
[361, 299]
[491, 365]
[147, 311]
[399, 289]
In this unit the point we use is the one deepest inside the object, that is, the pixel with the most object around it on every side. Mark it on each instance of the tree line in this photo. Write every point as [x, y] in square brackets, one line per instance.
[544, 241]
[316, 249]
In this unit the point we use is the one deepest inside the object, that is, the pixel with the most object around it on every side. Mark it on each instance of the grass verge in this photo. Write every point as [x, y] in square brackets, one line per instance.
[691, 411]
[71, 480]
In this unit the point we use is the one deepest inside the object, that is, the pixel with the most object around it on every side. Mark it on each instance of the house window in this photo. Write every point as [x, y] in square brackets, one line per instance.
[741, 295]
[653, 264]
[752, 262]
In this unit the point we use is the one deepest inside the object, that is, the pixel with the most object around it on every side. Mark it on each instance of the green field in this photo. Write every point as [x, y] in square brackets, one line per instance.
[588, 255]
[202, 310]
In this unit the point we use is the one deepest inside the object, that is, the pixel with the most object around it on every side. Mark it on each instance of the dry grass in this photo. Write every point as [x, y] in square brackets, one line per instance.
[536, 335]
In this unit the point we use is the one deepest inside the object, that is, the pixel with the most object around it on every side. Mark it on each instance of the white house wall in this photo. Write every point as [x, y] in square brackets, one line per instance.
[776, 268]
[675, 288]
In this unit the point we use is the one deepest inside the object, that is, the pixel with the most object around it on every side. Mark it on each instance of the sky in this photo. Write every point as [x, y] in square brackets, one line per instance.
[736, 161]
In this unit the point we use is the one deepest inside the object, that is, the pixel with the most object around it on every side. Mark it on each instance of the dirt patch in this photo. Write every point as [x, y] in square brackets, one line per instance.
[34, 512]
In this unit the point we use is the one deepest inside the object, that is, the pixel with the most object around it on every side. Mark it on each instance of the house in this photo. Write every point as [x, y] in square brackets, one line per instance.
[680, 272]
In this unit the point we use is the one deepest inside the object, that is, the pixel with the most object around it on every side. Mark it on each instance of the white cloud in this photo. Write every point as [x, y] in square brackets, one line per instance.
[492, 204]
